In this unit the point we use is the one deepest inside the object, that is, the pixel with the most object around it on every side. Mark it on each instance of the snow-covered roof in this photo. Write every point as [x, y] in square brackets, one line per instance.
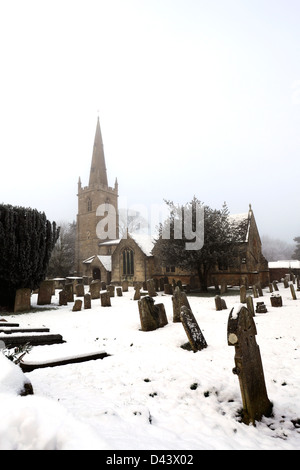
[285, 264]
[144, 241]
[110, 242]
[104, 259]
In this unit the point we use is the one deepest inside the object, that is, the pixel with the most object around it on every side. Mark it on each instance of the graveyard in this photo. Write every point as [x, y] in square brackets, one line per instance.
[142, 388]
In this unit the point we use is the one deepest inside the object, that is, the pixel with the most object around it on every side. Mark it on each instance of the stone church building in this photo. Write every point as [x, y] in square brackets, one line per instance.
[116, 259]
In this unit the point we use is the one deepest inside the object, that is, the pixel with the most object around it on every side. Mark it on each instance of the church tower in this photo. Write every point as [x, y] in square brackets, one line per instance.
[96, 202]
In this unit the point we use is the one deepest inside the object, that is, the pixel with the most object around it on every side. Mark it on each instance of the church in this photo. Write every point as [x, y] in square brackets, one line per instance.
[113, 259]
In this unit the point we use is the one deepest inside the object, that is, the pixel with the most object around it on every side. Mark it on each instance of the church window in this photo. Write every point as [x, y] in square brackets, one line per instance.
[170, 269]
[128, 262]
[89, 205]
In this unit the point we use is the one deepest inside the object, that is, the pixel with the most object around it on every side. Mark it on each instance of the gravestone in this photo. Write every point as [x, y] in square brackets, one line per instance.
[220, 303]
[293, 291]
[125, 286]
[285, 283]
[255, 292]
[22, 300]
[243, 294]
[63, 297]
[87, 301]
[69, 291]
[111, 290]
[137, 292]
[250, 305]
[261, 307]
[119, 292]
[151, 288]
[45, 293]
[275, 286]
[276, 300]
[168, 289]
[161, 284]
[103, 285]
[77, 305]
[79, 290]
[241, 333]
[105, 299]
[223, 287]
[191, 327]
[179, 299]
[151, 316]
[95, 287]
[271, 287]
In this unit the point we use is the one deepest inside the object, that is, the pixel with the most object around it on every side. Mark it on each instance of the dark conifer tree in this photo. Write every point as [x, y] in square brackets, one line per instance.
[27, 239]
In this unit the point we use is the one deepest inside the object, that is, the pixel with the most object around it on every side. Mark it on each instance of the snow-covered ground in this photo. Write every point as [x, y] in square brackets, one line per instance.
[150, 393]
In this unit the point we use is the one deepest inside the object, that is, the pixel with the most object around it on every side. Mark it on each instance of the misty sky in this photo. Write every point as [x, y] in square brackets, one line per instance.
[195, 97]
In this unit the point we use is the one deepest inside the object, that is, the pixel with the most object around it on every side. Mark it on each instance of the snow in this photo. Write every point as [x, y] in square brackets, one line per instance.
[150, 393]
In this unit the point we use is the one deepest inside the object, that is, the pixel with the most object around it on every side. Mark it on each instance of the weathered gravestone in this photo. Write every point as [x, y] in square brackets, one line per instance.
[22, 300]
[119, 291]
[293, 291]
[243, 294]
[276, 300]
[168, 289]
[241, 333]
[261, 307]
[79, 289]
[87, 301]
[137, 292]
[161, 284]
[69, 290]
[45, 293]
[220, 303]
[77, 305]
[250, 305]
[111, 290]
[125, 286]
[179, 299]
[151, 288]
[275, 285]
[105, 299]
[259, 290]
[151, 316]
[255, 292]
[271, 287]
[95, 287]
[285, 283]
[63, 297]
[191, 327]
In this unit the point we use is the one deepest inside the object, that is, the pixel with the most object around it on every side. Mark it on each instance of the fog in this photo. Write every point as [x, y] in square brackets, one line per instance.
[194, 98]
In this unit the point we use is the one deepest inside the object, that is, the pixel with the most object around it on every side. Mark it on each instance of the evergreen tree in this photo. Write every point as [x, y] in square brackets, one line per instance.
[296, 254]
[220, 240]
[27, 239]
[62, 262]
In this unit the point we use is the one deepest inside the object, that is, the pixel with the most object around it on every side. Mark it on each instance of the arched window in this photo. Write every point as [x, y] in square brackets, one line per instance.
[89, 205]
[128, 262]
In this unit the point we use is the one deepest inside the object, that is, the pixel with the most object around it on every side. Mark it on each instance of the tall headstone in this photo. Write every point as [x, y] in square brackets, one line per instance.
[87, 301]
[255, 291]
[105, 299]
[111, 290]
[137, 292]
[119, 291]
[193, 332]
[243, 294]
[95, 287]
[250, 305]
[63, 297]
[293, 292]
[275, 286]
[22, 300]
[168, 289]
[79, 289]
[69, 291]
[179, 299]
[241, 333]
[151, 288]
[125, 286]
[45, 293]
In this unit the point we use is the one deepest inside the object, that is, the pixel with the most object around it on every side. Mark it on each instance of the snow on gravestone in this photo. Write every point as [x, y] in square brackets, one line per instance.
[241, 332]
[193, 332]
[151, 316]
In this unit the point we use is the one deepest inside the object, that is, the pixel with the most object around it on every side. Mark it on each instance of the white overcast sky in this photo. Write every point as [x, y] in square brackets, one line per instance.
[195, 97]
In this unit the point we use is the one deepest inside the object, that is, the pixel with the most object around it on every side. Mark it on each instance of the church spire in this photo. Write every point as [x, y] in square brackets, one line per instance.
[98, 175]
